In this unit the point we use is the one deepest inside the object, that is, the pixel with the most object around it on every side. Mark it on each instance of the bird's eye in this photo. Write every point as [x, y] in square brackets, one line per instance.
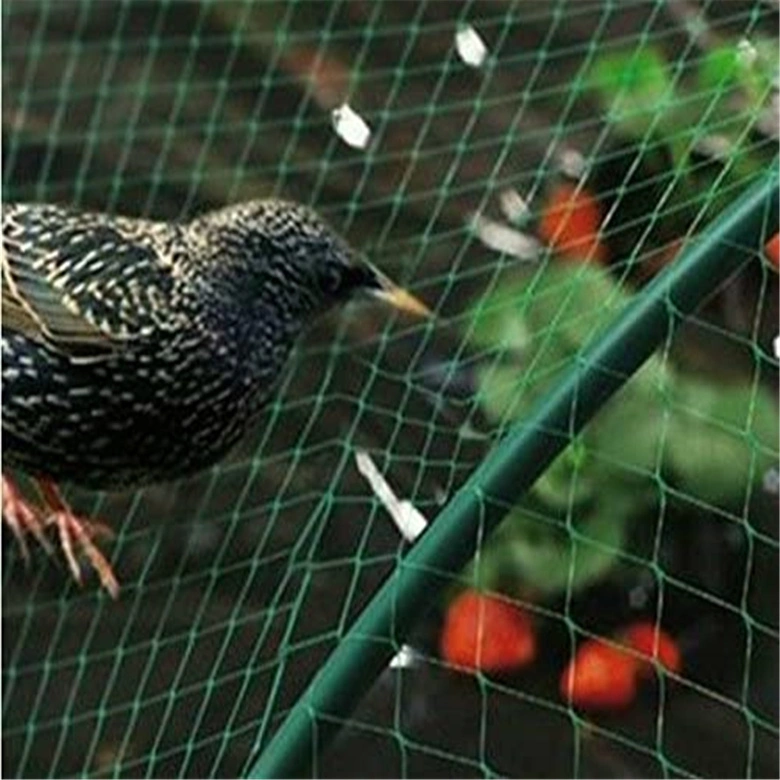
[331, 280]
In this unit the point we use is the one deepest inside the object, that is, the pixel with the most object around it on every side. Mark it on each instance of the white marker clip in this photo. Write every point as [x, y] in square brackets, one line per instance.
[409, 521]
[350, 126]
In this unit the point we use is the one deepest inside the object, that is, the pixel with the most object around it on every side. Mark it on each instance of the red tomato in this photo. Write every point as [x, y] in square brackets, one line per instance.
[600, 676]
[570, 224]
[772, 249]
[484, 633]
[649, 640]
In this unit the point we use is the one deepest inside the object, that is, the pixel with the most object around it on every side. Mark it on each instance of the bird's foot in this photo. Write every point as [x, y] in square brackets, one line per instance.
[22, 518]
[75, 532]
[78, 531]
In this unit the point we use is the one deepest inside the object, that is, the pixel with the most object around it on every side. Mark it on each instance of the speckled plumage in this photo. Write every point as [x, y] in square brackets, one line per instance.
[138, 351]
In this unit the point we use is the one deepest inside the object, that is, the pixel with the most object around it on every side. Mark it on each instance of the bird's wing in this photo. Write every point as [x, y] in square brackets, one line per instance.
[62, 279]
[33, 308]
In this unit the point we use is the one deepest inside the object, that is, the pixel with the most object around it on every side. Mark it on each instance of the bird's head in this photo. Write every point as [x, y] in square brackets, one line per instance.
[290, 258]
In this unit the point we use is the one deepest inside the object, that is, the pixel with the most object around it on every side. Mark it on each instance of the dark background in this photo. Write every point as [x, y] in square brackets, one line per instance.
[237, 584]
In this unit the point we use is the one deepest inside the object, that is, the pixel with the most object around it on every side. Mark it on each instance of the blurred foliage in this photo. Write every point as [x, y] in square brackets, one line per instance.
[710, 108]
[635, 87]
[666, 427]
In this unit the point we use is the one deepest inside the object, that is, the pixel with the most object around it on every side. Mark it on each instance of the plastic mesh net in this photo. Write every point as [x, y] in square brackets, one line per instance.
[525, 168]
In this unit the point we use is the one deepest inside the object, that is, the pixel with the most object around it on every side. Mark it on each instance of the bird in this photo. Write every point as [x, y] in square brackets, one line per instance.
[137, 351]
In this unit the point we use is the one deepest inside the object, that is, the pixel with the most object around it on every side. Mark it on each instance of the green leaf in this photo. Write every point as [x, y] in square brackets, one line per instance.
[499, 392]
[496, 320]
[766, 63]
[571, 304]
[634, 87]
[629, 431]
[537, 324]
[549, 557]
[568, 481]
[747, 65]
[719, 69]
[721, 439]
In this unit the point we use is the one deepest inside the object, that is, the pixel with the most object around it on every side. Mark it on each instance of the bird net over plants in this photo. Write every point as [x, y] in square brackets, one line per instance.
[585, 195]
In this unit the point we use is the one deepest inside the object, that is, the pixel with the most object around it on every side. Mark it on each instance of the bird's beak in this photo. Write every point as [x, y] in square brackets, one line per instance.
[388, 291]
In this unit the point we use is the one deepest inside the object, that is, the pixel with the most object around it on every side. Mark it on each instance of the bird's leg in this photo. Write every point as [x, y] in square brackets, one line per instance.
[23, 517]
[72, 529]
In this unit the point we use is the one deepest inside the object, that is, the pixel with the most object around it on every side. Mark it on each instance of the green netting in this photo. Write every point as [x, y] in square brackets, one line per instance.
[237, 585]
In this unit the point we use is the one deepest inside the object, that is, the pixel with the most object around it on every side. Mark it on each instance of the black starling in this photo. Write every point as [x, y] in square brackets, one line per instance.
[137, 351]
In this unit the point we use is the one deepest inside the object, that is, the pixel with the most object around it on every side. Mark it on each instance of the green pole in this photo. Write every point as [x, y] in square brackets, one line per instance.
[450, 542]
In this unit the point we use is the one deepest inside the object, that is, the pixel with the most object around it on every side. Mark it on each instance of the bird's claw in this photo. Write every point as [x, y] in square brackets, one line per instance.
[23, 517]
[74, 529]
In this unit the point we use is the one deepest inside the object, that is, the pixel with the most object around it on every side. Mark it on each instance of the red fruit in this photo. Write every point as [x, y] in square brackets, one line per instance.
[484, 633]
[600, 676]
[654, 643]
[772, 249]
[570, 224]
